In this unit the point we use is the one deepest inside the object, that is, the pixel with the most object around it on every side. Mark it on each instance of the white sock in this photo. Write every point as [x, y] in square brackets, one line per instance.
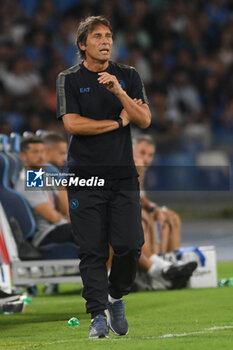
[158, 282]
[154, 271]
[161, 263]
[112, 300]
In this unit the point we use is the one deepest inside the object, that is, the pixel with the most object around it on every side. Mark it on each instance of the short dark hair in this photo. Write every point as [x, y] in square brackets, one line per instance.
[26, 141]
[140, 138]
[87, 26]
[53, 137]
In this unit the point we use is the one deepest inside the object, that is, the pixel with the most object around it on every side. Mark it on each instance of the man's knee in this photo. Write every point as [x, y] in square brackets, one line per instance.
[94, 256]
[127, 252]
[175, 219]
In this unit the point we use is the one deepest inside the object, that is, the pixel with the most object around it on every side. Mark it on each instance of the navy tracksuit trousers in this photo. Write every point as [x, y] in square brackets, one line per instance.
[103, 217]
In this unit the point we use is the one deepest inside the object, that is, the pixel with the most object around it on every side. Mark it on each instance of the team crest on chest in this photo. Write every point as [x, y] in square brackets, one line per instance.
[122, 84]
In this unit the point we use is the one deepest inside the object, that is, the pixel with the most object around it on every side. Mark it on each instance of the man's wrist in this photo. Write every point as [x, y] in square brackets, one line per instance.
[120, 123]
[121, 93]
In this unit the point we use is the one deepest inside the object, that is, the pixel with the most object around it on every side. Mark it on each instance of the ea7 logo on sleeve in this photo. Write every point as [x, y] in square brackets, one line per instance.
[35, 178]
[87, 89]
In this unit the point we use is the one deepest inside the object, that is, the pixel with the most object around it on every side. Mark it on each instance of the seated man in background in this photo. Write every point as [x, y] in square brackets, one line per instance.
[55, 149]
[169, 223]
[154, 272]
[50, 207]
[150, 264]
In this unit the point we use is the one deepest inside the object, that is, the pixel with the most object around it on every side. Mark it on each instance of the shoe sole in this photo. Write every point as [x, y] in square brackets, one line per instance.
[180, 282]
[9, 299]
[110, 326]
[180, 271]
[15, 306]
[100, 337]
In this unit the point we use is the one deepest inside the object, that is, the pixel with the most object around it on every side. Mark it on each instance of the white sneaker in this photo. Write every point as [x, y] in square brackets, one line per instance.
[158, 282]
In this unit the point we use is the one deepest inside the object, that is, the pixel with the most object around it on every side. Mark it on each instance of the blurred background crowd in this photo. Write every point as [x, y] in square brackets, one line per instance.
[183, 51]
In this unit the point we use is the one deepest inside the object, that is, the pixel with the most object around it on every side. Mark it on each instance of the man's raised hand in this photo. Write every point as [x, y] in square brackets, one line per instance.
[110, 82]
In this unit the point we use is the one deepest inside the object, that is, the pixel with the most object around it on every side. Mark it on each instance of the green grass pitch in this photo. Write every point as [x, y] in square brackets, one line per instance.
[195, 319]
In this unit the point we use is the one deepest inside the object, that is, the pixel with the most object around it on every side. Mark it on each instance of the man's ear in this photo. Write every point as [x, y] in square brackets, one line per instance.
[82, 46]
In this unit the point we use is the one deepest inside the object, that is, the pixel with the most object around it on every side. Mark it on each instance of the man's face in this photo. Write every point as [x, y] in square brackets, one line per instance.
[144, 151]
[56, 153]
[98, 45]
[34, 156]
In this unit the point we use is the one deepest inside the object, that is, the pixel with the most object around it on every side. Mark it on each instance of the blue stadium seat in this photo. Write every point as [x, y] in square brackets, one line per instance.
[3, 143]
[14, 203]
[222, 136]
[213, 169]
[172, 172]
[178, 159]
[191, 146]
[15, 142]
[212, 178]
[15, 161]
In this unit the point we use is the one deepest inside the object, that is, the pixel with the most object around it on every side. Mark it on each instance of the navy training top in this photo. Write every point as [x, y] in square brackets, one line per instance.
[78, 91]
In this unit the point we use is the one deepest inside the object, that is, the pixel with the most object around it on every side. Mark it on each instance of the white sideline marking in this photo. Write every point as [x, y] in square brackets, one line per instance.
[206, 330]
[180, 335]
[164, 336]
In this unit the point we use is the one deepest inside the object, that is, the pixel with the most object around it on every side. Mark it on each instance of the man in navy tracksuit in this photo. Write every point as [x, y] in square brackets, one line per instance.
[97, 101]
